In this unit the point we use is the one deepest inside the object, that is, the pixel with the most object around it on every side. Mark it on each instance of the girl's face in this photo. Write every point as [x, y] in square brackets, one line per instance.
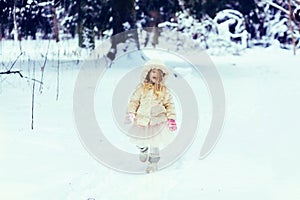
[155, 76]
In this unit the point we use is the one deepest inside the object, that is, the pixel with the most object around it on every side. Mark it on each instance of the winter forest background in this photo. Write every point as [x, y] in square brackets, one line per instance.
[252, 22]
[254, 46]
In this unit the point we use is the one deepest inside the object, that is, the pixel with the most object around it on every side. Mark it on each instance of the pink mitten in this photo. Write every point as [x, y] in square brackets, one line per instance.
[172, 125]
[129, 119]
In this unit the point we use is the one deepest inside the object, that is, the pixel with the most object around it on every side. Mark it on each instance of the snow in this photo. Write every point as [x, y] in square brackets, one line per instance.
[256, 157]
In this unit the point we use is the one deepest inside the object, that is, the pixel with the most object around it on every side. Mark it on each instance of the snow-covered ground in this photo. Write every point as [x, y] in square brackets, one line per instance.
[256, 157]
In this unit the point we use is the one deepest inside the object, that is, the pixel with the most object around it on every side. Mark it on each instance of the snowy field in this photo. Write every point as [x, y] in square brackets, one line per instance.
[255, 159]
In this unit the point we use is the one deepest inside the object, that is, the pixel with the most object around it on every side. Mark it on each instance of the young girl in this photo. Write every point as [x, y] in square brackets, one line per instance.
[152, 113]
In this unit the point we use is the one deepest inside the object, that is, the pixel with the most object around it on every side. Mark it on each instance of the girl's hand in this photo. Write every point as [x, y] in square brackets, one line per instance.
[130, 118]
[172, 125]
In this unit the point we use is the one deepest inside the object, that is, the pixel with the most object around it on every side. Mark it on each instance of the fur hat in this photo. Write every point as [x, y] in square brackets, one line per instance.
[155, 64]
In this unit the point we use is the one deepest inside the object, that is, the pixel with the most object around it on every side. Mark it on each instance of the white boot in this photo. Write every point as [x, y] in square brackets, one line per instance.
[152, 167]
[143, 153]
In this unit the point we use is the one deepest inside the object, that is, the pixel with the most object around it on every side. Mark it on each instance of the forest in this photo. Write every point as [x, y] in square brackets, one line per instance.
[251, 22]
[69, 67]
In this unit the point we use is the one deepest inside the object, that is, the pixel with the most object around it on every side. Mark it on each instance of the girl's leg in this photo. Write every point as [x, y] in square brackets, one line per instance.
[153, 160]
[143, 153]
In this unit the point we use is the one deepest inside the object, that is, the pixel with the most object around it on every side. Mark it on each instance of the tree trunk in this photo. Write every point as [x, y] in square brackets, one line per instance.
[0, 34]
[291, 27]
[123, 11]
[80, 23]
[17, 35]
[56, 32]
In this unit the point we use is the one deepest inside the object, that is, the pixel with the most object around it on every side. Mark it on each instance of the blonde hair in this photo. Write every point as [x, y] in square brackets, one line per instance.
[159, 87]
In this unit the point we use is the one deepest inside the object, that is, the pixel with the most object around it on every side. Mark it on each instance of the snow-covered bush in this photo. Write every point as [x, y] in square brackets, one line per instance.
[226, 31]
[296, 14]
[231, 26]
[269, 22]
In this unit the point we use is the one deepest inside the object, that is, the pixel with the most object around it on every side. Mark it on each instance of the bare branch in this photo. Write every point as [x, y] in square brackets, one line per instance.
[277, 6]
[32, 99]
[21, 75]
[13, 64]
[33, 79]
[44, 65]
[57, 78]
[12, 72]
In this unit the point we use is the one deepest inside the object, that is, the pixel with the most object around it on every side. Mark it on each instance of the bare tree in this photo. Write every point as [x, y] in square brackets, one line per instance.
[291, 27]
[17, 34]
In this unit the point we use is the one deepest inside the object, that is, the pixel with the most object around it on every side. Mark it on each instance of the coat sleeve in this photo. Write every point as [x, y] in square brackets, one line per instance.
[169, 105]
[134, 101]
